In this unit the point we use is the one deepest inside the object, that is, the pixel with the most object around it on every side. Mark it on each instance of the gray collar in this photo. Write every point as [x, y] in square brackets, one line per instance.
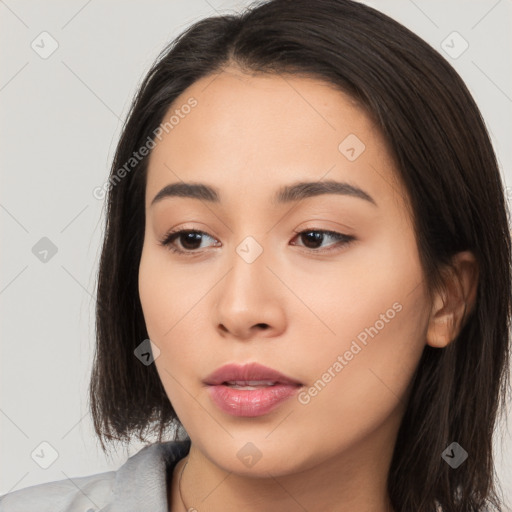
[141, 482]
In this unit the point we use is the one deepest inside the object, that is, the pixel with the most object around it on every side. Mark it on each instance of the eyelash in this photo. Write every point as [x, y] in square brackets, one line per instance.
[167, 241]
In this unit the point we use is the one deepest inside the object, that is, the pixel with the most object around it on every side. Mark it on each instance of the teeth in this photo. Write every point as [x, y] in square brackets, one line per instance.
[250, 384]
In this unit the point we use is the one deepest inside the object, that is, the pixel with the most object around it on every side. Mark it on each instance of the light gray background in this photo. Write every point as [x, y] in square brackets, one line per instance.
[61, 117]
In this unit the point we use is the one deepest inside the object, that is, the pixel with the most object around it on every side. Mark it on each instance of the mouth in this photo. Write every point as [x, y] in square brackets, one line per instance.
[252, 375]
[249, 390]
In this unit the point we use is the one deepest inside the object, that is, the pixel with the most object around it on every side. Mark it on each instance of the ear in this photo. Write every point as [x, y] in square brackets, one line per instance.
[455, 302]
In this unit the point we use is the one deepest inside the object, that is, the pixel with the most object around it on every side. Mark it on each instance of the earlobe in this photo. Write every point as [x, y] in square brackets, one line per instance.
[453, 305]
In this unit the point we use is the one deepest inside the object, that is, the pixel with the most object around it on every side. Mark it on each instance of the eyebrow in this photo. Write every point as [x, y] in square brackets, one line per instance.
[288, 193]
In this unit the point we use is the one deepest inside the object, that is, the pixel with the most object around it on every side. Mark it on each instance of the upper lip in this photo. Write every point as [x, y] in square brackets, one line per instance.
[248, 372]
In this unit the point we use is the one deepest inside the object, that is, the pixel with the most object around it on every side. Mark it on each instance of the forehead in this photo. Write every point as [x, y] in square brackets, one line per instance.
[251, 134]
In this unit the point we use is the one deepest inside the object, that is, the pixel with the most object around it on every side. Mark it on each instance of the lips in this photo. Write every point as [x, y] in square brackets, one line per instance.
[252, 374]
[250, 390]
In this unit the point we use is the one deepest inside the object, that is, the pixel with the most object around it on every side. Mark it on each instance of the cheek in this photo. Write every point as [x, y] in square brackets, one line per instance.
[372, 286]
[165, 313]
[153, 297]
[171, 305]
[362, 374]
[360, 384]
[167, 294]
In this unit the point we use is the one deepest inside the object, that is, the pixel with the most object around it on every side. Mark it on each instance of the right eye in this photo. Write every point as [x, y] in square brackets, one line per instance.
[188, 238]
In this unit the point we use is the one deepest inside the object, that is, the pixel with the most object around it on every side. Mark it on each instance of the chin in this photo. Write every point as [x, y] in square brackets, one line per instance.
[260, 457]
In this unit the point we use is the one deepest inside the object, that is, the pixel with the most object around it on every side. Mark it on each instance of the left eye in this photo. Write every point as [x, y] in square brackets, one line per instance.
[315, 236]
[189, 238]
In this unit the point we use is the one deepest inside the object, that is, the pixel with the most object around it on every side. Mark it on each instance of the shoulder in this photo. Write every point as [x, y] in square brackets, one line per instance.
[85, 494]
[139, 484]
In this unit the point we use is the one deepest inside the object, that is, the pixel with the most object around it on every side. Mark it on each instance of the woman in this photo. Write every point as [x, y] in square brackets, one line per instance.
[305, 279]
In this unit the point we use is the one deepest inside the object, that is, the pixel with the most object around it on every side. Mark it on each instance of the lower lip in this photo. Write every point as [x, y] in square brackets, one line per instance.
[250, 402]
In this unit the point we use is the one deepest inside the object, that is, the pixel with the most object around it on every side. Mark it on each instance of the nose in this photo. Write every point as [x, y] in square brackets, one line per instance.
[251, 300]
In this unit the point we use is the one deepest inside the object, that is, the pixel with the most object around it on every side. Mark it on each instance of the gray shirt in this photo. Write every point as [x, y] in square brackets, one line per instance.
[139, 485]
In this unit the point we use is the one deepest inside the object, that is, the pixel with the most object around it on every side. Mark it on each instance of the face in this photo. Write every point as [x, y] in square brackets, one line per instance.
[327, 288]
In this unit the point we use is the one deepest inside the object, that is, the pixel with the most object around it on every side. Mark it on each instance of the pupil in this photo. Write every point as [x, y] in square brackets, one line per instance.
[191, 238]
[313, 236]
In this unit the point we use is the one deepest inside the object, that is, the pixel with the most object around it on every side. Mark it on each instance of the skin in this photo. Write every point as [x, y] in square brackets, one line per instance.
[293, 309]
